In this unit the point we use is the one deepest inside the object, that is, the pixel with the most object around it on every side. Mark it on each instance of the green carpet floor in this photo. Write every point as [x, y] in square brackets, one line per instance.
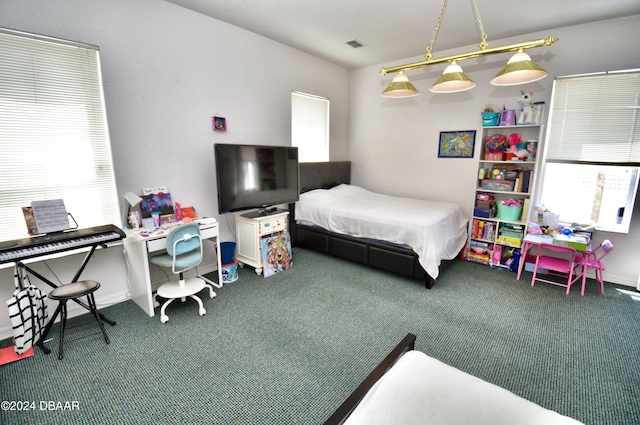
[288, 349]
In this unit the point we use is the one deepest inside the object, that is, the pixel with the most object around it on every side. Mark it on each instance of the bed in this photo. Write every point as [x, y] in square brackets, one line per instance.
[408, 237]
[409, 387]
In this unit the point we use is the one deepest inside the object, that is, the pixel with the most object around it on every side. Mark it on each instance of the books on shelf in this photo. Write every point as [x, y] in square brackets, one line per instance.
[526, 205]
[483, 229]
[526, 181]
[510, 234]
[523, 181]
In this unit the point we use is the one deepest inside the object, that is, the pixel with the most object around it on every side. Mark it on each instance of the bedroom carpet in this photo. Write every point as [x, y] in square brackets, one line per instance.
[288, 349]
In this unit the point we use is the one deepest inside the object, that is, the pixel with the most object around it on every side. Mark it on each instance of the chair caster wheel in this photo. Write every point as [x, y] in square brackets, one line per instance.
[164, 318]
[212, 294]
[202, 312]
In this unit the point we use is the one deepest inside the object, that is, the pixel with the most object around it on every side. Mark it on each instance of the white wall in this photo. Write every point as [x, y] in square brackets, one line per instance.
[393, 142]
[166, 72]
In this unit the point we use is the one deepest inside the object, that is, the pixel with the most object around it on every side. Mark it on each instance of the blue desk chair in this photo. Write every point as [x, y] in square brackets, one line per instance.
[184, 252]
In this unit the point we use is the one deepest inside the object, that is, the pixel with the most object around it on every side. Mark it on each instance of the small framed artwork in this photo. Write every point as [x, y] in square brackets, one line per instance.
[219, 123]
[456, 144]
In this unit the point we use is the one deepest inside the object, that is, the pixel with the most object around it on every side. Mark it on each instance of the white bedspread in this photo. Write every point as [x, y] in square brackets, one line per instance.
[436, 231]
[419, 389]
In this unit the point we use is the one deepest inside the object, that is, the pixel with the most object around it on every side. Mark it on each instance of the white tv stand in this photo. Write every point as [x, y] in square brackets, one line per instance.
[250, 228]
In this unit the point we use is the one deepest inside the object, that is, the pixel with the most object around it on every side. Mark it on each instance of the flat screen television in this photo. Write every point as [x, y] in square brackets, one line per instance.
[251, 177]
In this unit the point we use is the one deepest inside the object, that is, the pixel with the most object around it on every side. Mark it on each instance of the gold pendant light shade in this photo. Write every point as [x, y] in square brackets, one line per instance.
[452, 80]
[400, 87]
[520, 69]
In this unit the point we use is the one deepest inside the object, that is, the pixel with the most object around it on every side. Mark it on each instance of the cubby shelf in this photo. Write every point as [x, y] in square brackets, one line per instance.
[505, 235]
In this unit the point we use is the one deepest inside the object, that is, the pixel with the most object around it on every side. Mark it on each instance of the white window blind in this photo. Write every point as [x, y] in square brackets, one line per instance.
[310, 127]
[596, 118]
[593, 148]
[54, 140]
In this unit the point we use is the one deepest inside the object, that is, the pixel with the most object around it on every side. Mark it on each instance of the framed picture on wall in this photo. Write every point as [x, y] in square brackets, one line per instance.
[220, 123]
[456, 144]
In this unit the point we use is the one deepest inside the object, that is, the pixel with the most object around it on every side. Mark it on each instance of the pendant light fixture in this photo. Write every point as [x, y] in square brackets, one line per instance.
[520, 68]
[452, 80]
[400, 87]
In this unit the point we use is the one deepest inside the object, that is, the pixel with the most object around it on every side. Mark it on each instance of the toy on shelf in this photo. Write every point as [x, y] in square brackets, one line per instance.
[490, 116]
[508, 117]
[532, 148]
[526, 108]
[517, 149]
[495, 146]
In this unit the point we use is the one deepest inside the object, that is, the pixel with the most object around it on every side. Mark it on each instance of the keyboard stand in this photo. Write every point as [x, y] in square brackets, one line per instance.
[76, 277]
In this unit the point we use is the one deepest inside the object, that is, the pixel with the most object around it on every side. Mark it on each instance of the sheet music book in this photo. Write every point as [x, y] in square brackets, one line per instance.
[50, 215]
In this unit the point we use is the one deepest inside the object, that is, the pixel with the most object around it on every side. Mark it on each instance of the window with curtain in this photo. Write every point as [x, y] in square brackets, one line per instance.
[310, 126]
[593, 149]
[54, 142]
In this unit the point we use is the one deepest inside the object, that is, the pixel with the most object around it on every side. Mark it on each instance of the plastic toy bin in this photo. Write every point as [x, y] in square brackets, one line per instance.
[230, 272]
[494, 156]
[493, 184]
[509, 212]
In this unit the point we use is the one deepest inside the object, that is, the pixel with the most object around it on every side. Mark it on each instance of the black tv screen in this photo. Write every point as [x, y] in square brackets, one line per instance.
[255, 177]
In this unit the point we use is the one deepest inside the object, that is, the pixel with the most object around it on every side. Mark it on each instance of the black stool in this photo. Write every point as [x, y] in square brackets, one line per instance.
[68, 292]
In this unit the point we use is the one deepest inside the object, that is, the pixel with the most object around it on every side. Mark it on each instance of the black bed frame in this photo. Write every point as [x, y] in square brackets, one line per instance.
[392, 258]
[343, 412]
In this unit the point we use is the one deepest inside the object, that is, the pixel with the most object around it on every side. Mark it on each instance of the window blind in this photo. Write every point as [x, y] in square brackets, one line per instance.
[310, 126]
[595, 118]
[54, 141]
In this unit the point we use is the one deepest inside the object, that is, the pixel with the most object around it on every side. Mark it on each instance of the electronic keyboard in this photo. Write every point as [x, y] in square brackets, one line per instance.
[19, 249]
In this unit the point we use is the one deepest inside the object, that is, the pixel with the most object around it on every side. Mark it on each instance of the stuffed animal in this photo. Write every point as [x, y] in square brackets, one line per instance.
[526, 108]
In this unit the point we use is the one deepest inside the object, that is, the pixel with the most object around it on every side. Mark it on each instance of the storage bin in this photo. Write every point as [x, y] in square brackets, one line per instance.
[482, 212]
[509, 212]
[494, 156]
[228, 254]
[485, 205]
[490, 118]
[513, 157]
[508, 117]
[484, 197]
[230, 272]
[493, 184]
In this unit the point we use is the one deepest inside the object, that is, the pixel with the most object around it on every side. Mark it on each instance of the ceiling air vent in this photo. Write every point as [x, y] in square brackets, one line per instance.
[355, 44]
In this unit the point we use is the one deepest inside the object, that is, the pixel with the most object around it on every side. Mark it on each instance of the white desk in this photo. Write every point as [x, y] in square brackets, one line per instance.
[137, 248]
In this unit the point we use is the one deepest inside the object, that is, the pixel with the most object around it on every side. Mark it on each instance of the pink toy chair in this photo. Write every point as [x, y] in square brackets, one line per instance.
[593, 260]
[559, 261]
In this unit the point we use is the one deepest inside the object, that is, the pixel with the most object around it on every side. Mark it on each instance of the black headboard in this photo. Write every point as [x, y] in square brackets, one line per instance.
[324, 175]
